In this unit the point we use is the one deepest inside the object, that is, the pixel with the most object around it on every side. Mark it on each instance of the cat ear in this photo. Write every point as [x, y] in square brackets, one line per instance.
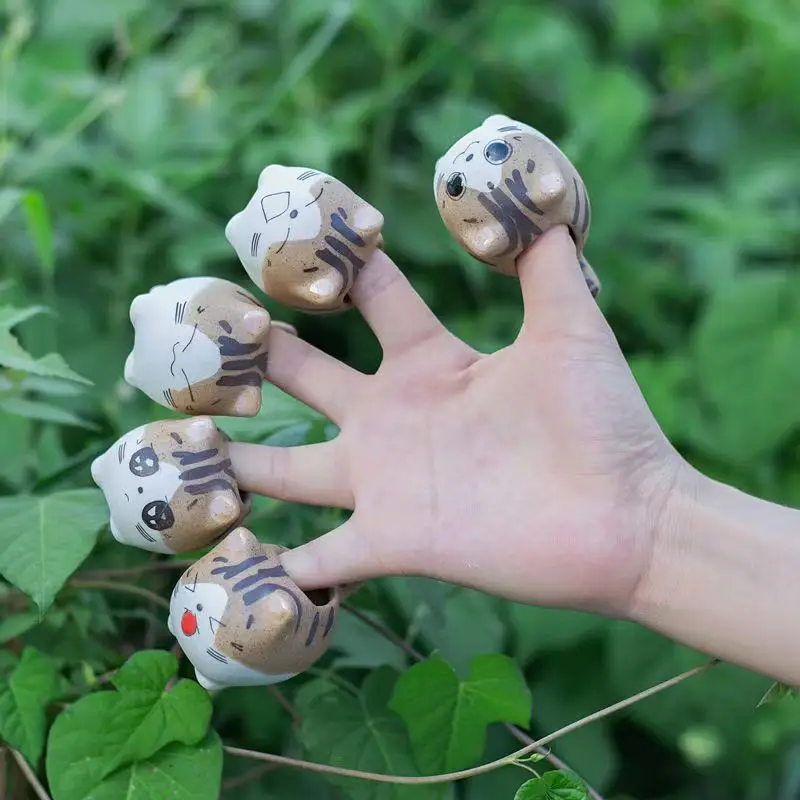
[137, 307]
[97, 470]
[223, 510]
[268, 173]
[256, 322]
[201, 431]
[484, 242]
[207, 683]
[497, 120]
[368, 221]
[129, 371]
[240, 539]
[548, 187]
[326, 288]
[248, 403]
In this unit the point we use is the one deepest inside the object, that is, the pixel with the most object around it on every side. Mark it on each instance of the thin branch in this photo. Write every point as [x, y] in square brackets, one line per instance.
[549, 755]
[30, 775]
[283, 701]
[133, 572]
[313, 766]
[250, 775]
[516, 732]
[128, 588]
[387, 633]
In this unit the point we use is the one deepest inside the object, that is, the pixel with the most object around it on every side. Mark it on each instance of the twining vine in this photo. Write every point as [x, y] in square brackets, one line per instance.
[102, 580]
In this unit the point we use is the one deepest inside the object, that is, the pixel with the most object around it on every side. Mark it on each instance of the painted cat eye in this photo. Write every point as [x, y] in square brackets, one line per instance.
[144, 462]
[456, 185]
[158, 516]
[497, 151]
[273, 205]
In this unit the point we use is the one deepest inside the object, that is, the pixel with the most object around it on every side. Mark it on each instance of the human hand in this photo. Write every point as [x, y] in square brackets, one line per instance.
[536, 473]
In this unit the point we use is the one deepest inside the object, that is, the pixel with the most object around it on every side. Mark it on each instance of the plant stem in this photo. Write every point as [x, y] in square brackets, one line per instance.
[132, 572]
[30, 775]
[128, 588]
[313, 766]
[250, 775]
[387, 633]
[516, 732]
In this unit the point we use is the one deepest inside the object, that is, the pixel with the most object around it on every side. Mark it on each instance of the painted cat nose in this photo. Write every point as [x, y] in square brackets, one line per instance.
[188, 623]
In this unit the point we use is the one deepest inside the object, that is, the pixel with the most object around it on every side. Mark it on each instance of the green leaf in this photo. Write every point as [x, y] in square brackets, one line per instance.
[746, 361]
[39, 228]
[14, 356]
[46, 412]
[362, 646]
[9, 199]
[360, 733]
[178, 772]
[555, 785]
[104, 732]
[447, 718]
[459, 623]
[17, 624]
[43, 540]
[24, 696]
[11, 316]
[776, 693]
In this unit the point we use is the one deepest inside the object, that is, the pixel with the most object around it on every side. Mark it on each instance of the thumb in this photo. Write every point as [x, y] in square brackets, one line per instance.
[340, 557]
[552, 282]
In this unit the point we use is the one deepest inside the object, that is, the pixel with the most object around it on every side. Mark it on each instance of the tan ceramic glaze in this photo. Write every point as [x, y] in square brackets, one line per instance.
[303, 238]
[200, 347]
[502, 185]
[170, 486]
[242, 621]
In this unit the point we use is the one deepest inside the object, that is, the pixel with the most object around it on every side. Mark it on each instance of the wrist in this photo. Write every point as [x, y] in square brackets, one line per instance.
[722, 576]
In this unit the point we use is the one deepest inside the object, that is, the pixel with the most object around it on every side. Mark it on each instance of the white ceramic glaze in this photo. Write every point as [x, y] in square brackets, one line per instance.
[304, 236]
[242, 621]
[169, 486]
[200, 347]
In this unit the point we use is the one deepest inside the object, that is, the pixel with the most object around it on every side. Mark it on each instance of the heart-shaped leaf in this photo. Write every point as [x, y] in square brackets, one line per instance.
[43, 540]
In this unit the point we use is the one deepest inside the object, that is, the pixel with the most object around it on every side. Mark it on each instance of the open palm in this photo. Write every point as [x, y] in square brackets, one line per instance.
[536, 473]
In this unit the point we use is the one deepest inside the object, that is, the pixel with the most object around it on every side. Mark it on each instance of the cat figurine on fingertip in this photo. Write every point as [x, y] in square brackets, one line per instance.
[502, 185]
[170, 486]
[200, 347]
[303, 238]
[242, 621]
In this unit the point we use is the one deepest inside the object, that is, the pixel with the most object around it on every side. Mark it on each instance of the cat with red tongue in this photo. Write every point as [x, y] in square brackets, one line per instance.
[242, 621]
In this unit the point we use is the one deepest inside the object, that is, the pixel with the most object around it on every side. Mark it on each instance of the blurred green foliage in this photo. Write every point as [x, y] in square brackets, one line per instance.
[131, 130]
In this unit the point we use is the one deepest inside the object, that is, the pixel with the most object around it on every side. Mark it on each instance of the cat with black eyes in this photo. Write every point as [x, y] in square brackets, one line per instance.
[303, 238]
[502, 185]
[200, 347]
[170, 487]
[242, 621]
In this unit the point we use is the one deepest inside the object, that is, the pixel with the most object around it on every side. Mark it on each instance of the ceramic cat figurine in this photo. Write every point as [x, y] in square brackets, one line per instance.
[170, 486]
[303, 238]
[200, 347]
[242, 621]
[502, 185]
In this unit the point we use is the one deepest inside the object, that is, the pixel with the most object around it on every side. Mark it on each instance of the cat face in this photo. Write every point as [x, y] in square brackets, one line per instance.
[303, 237]
[169, 486]
[195, 618]
[200, 347]
[502, 185]
[241, 620]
